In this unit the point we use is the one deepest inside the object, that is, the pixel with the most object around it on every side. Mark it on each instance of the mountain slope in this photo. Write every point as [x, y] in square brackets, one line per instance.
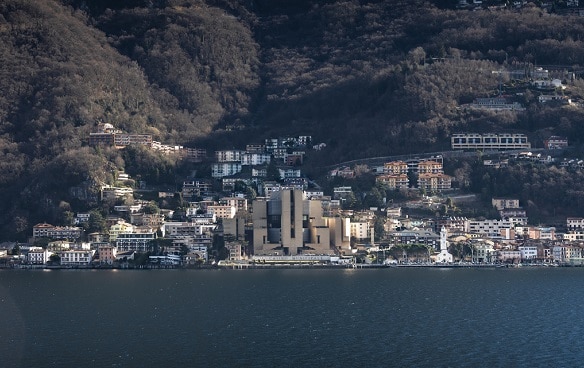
[369, 78]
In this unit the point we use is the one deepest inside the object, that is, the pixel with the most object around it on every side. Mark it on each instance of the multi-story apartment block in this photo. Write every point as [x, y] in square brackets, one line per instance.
[296, 183]
[254, 159]
[229, 184]
[489, 228]
[221, 169]
[49, 231]
[426, 237]
[260, 172]
[239, 203]
[38, 256]
[236, 227]
[430, 167]
[451, 223]
[110, 192]
[229, 155]
[574, 223]
[120, 227]
[394, 181]
[496, 103]
[182, 229]
[362, 231]
[289, 172]
[235, 250]
[574, 235]
[563, 253]
[280, 152]
[536, 233]
[482, 252]
[434, 182]
[140, 241]
[107, 253]
[76, 257]
[123, 139]
[528, 252]
[505, 203]
[489, 141]
[201, 187]
[101, 139]
[395, 167]
[268, 188]
[222, 211]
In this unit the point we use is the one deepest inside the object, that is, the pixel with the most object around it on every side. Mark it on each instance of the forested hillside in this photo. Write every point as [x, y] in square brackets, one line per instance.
[369, 78]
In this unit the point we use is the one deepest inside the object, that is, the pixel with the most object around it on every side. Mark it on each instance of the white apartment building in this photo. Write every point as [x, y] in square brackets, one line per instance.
[575, 223]
[528, 252]
[254, 159]
[221, 169]
[76, 257]
[289, 173]
[38, 256]
[571, 236]
[489, 141]
[109, 192]
[489, 228]
[229, 155]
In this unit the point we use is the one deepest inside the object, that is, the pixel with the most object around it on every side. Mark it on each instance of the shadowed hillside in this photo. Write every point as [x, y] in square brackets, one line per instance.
[369, 78]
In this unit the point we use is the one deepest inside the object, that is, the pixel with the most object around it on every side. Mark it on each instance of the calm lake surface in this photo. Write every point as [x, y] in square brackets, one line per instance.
[527, 317]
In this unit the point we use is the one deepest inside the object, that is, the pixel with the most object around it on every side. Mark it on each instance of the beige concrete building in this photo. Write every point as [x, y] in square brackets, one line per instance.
[289, 224]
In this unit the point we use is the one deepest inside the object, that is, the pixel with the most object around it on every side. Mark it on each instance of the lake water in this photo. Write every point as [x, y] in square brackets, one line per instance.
[527, 317]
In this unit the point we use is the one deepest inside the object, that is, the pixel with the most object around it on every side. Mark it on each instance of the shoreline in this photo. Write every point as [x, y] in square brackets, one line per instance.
[260, 266]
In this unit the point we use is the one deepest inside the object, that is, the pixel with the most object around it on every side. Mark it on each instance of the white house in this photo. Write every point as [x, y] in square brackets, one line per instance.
[528, 252]
[76, 257]
[38, 256]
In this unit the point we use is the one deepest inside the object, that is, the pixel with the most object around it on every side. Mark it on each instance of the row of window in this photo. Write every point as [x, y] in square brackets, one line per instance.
[494, 140]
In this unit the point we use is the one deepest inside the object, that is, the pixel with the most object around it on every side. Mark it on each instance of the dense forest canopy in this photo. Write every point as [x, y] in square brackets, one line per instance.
[369, 78]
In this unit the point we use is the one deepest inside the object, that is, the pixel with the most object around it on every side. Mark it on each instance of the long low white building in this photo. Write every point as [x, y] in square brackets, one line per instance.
[489, 141]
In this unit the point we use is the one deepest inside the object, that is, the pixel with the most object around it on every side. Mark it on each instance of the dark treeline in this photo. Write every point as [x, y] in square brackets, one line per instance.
[369, 78]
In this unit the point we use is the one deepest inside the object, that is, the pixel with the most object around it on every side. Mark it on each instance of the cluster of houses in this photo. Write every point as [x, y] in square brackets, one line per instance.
[295, 225]
[107, 135]
[282, 220]
[507, 239]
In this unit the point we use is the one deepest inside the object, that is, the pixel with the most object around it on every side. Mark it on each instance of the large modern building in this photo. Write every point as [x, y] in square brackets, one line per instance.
[289, 224]
[49, 231]
[489, 141]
